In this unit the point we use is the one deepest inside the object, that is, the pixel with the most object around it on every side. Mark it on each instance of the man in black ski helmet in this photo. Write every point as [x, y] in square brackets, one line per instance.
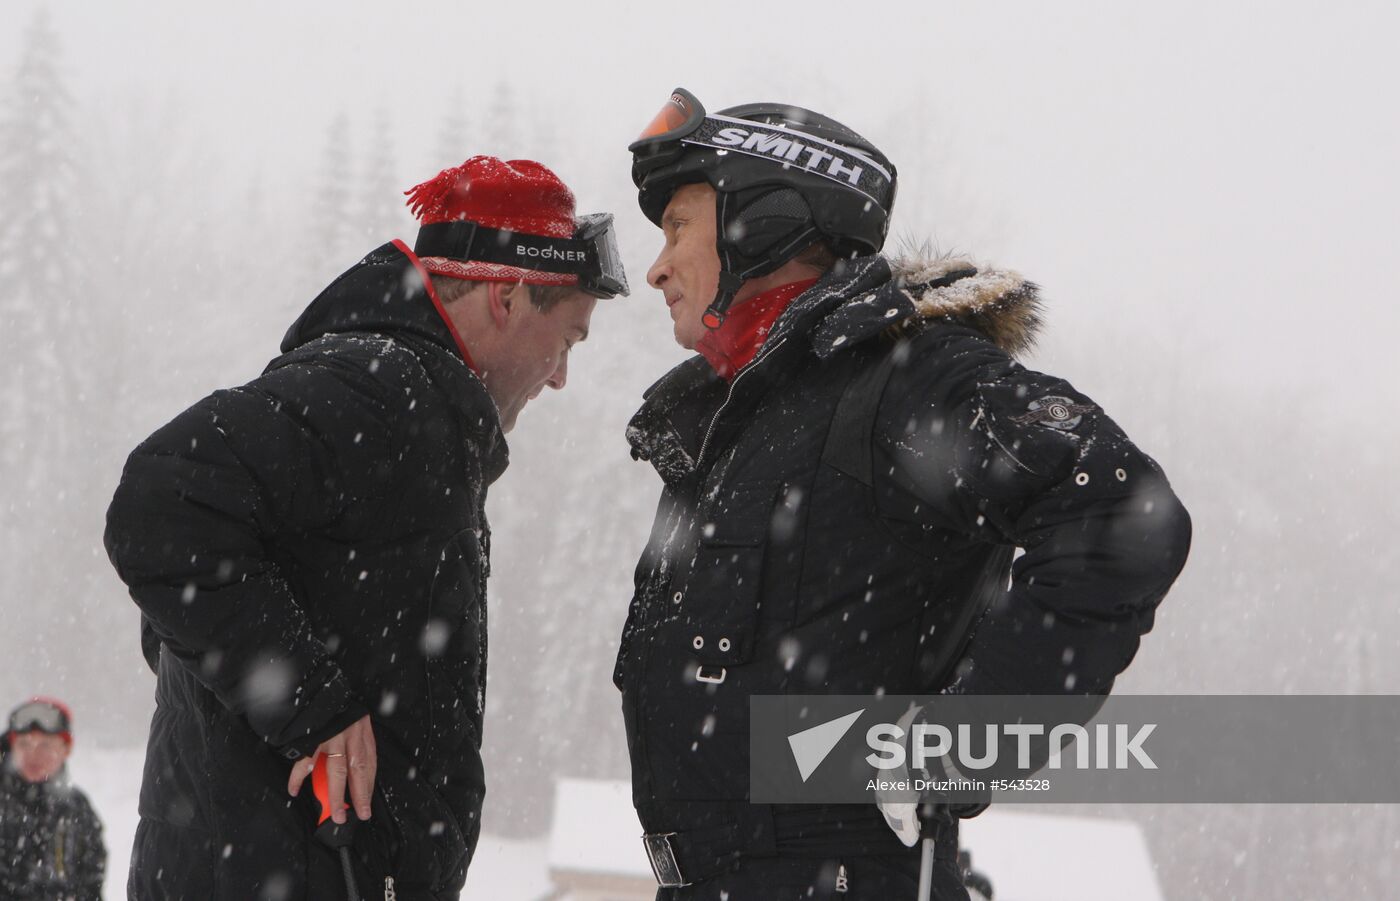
[849, 466]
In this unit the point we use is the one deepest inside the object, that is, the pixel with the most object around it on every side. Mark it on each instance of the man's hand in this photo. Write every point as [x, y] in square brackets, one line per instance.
[350, 757]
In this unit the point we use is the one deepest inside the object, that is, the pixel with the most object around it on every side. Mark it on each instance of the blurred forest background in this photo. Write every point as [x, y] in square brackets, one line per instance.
[1220, 277]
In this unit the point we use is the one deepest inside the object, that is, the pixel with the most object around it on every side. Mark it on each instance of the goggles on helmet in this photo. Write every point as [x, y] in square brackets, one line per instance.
[38, 716]
[591, 253]
[659, 142]
[683, 121]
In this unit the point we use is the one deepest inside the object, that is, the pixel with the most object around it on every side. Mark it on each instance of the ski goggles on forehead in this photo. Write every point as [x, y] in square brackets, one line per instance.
[37, 716]
[680, 116]
[683, 122]
[591, 253]
[663, 140]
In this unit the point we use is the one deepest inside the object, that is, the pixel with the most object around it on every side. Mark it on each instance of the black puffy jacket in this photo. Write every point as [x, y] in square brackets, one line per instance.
[842, 518]
[305, 549]
[50, 841]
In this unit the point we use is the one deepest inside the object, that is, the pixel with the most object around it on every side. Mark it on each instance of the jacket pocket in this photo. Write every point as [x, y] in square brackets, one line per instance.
[453, 645]
[458, 580]
[624, 644]
[378, 845]
[723, 587]
[417, 839]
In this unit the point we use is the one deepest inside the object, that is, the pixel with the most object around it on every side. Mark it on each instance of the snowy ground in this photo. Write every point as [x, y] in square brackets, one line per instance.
[112, 780]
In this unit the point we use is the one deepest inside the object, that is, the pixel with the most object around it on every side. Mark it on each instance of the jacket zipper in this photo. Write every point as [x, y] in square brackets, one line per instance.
[389, 893]
[60, 843]
[644, 657]
[644, 653]
[709, 432]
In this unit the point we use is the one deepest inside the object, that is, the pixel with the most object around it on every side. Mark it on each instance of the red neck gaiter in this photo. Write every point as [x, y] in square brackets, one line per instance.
[737, 341]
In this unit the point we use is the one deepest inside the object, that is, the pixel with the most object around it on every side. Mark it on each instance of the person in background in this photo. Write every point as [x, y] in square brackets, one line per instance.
[50, 837]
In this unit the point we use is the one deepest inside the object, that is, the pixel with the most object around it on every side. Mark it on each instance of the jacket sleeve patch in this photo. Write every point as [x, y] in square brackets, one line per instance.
[1054, 411]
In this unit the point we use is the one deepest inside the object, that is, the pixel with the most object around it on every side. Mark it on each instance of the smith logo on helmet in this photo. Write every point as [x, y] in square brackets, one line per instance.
[792, 147]
[788, 149]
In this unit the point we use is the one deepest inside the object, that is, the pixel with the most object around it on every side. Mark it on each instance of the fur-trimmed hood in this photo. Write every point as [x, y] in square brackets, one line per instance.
[872, 295]
[999, 303]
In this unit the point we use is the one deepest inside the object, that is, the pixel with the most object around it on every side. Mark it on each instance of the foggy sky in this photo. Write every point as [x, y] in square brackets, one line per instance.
[1225, 172]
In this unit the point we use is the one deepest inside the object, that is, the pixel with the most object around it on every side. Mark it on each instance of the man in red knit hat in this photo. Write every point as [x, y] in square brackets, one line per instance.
[310, 551]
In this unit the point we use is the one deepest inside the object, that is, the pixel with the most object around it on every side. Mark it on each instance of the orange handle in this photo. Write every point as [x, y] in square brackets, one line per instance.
[320, 785]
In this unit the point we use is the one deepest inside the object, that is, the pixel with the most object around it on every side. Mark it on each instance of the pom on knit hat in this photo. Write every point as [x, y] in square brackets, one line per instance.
[515, 195]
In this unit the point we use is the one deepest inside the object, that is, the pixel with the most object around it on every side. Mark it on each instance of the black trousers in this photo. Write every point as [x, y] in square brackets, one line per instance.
[885, 878]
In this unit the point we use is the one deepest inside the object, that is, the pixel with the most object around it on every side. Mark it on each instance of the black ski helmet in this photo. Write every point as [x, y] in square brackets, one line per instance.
[784, 177]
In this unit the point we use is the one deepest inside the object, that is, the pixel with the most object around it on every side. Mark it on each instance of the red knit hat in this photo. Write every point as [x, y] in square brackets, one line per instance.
[519, 195]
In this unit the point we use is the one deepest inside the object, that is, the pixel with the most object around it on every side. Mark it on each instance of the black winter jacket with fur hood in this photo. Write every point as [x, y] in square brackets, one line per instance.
[772, 567]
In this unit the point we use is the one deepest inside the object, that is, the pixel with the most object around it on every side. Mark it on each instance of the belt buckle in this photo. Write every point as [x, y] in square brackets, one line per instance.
[711, 674]
[663, 860]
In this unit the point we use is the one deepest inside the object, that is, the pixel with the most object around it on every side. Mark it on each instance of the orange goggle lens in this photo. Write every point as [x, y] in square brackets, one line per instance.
[676, 113]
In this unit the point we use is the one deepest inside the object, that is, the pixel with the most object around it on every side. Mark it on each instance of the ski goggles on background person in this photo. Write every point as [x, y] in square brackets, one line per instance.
[591, 253]
[683, 122]
[38, 716]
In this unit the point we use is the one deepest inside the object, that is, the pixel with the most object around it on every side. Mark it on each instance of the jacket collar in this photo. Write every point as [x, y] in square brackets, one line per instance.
[739, 339]
[856, 302]
[388, 293]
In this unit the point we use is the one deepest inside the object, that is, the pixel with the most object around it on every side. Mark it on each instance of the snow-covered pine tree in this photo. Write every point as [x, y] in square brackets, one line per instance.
[501, 131]
[335, 241]
[39, 264]
[454, 139]
[53, 322]
[382, 215]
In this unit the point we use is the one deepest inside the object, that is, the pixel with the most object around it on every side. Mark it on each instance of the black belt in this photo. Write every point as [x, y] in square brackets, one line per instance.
[688, 856]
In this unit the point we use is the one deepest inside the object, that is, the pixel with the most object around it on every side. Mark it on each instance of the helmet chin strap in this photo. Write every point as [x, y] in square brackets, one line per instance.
[729, 285]
[732, 272]
[730, 281]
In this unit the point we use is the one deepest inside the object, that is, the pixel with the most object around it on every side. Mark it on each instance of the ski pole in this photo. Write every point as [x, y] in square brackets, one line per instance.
[332, 834]
[929, 816]
[925, 870]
